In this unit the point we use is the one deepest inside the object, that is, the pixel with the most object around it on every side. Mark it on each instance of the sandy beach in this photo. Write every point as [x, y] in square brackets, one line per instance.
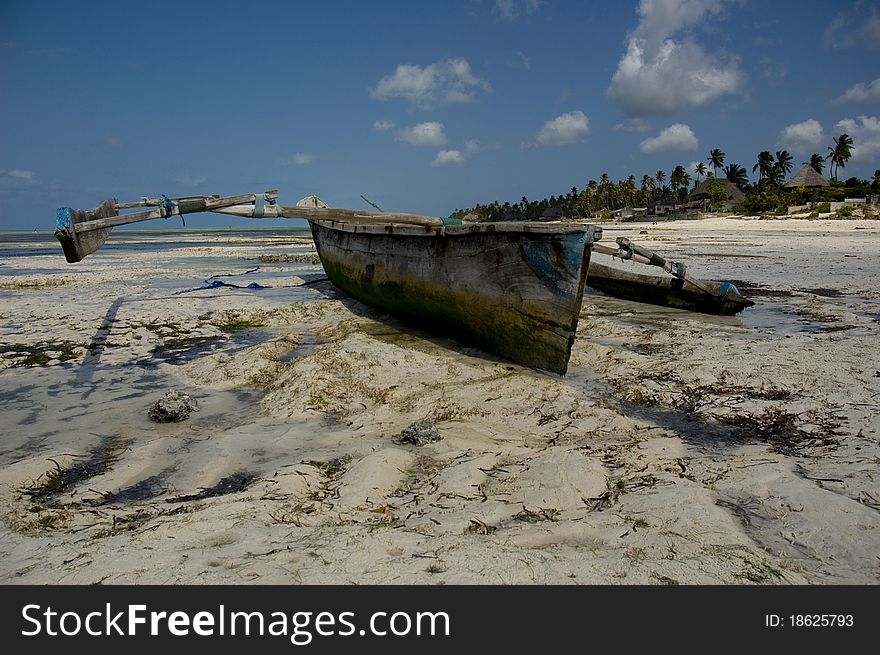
[680, 448]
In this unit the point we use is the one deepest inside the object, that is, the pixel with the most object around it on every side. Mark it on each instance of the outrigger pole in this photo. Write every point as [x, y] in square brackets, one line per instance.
[640, 254]
[681, 290]
[83, 232]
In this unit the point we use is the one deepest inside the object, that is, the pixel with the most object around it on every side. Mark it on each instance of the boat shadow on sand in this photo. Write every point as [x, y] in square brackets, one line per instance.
[407, 332]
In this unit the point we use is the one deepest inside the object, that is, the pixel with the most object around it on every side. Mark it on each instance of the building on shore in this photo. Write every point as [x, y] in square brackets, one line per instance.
[664, 205]
[806, 177]
[701, 194]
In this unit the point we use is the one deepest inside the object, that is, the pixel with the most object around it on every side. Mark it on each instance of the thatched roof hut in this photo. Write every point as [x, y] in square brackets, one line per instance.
[701, 190]
[807, 177]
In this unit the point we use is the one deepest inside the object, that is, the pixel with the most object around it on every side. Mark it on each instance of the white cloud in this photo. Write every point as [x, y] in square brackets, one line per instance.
[460, 157]
[505, 9]
[443, 82]
[658, 74]
[191, 180]
[659, 19]
[423, 134]
[633, 125]
[509, 9]
[383, 126]
[524, 62]
[865, 133]
[858, 24]
[25, 177]
[802, 137]
[861, 92]
[677, 137]
[300, 159]
[472, 146]
[449, 158]
[565, 129]
[17, 179]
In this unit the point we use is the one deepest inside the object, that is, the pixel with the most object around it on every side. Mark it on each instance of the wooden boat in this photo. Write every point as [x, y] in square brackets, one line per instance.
[514, 289]
[713, 298]
[680, 291]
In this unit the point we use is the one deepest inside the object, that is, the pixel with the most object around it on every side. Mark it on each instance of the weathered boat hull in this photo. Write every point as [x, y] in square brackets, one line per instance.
[667, 291]
[77, 245]
[512, 289]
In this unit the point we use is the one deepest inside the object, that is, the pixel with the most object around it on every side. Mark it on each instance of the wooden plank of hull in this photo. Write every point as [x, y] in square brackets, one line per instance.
[666, 291]
[78, 244]
[512, 292]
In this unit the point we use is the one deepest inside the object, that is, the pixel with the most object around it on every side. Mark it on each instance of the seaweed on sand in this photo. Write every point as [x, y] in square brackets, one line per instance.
[784, 431]
[62, 479]
[146, 489]
[238, 481]
[39, 354]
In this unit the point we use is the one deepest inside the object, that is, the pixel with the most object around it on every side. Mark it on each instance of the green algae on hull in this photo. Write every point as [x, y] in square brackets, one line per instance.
[514, 290]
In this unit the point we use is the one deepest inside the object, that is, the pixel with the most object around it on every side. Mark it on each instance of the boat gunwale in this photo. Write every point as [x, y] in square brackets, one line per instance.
[391, 228]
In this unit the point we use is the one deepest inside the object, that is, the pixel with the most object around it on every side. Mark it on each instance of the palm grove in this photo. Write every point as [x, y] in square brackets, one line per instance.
[767, 194]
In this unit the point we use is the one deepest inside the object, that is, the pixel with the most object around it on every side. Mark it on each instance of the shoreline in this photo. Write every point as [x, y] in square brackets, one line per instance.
[681, 448]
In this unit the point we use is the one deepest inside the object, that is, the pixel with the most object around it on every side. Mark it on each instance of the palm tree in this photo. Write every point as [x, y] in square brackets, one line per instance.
[593, 194]
[736, 174]
[876, 181]
[628, 189]
[585, 201]
[605, 189]
[716, 159]
[700, 170]
[676, 177]
[783, 165]
[660, 176]
[817, 161]
[764, 165]
[648, 186]
[840, 153]
[679, 178]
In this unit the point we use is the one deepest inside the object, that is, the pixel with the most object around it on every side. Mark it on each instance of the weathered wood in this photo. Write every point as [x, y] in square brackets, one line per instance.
[183, 206]
[532, 227]
[629, 250]
[512, 291]
[117, 220]
[329, 213]
[76, 244]
[615, 252]
[709, 297]
[155, 202]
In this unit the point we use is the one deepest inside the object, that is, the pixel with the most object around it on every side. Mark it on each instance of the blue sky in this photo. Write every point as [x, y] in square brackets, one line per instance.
[420, 106]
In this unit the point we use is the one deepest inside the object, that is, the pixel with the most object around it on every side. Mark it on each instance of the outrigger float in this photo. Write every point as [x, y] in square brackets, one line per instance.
[511, 288]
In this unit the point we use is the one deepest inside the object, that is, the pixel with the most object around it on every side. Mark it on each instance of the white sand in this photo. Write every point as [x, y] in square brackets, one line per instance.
[679, 448]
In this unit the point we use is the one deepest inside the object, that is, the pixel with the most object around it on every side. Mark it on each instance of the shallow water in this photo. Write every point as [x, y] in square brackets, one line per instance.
[63, 407]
